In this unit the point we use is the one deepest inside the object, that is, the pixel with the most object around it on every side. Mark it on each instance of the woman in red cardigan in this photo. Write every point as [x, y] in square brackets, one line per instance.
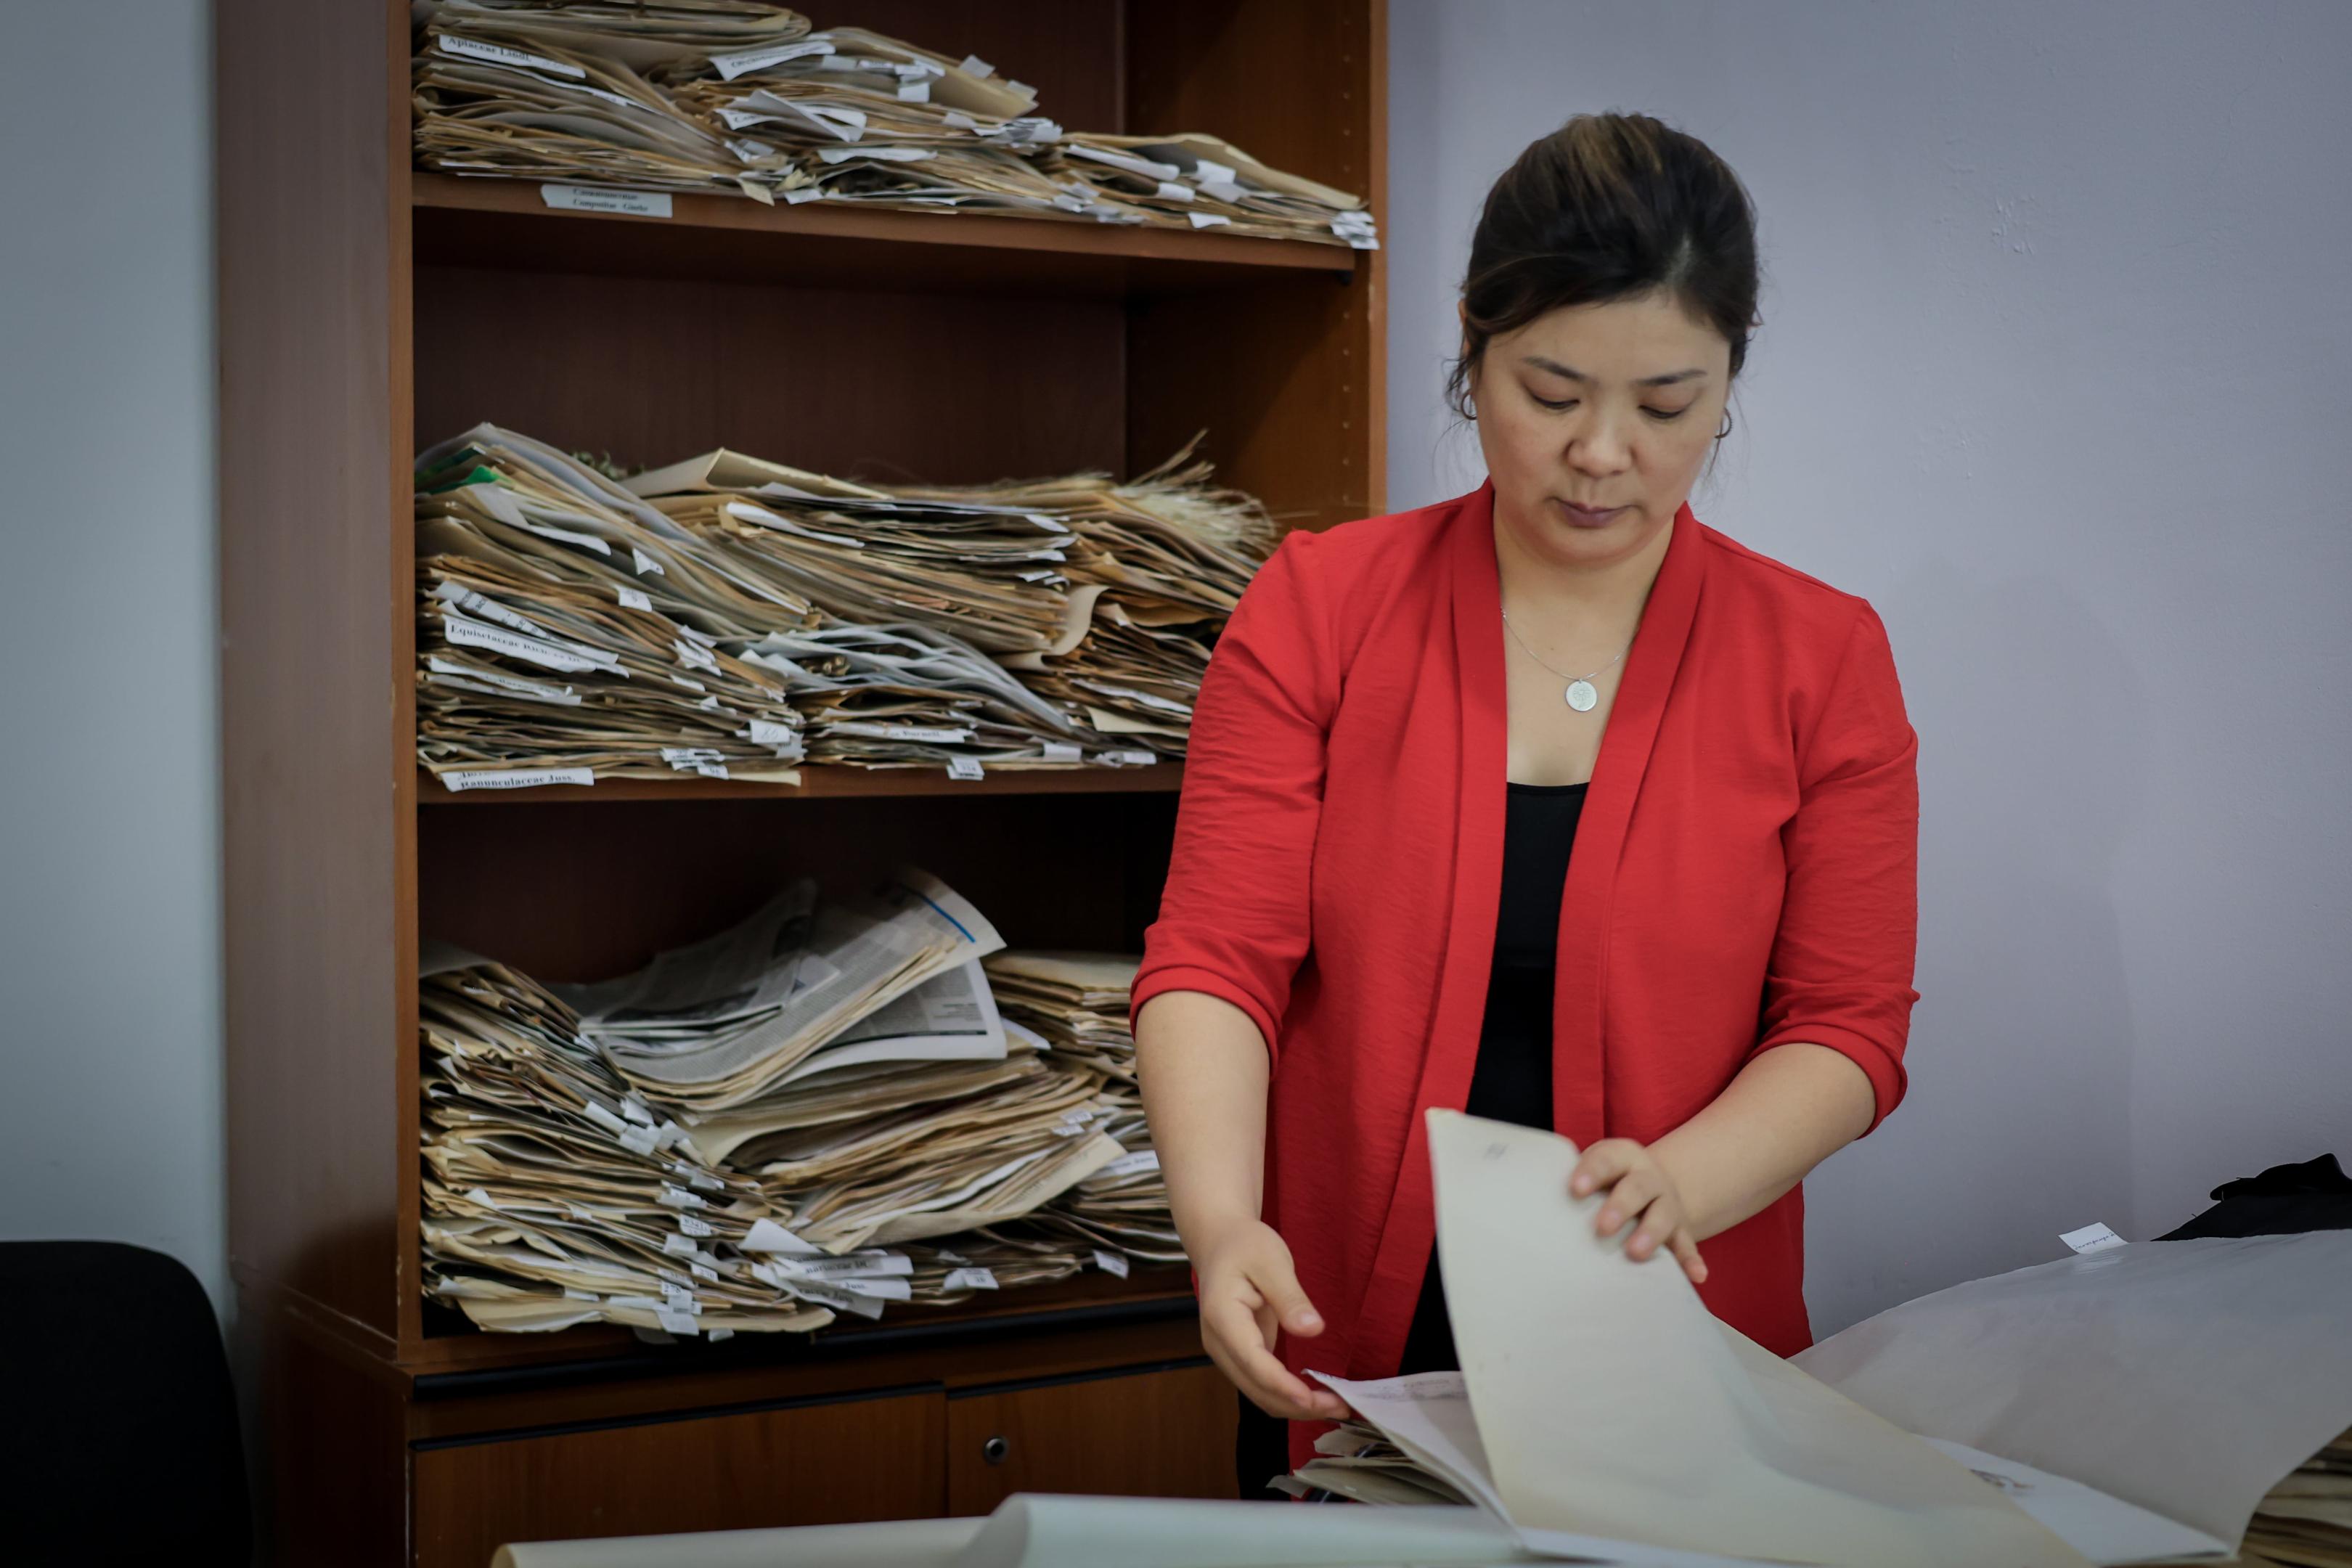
[1549, 802]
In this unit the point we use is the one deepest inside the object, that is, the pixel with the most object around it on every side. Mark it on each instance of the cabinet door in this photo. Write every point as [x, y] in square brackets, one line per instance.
[1166, 1433]
[808, 1463]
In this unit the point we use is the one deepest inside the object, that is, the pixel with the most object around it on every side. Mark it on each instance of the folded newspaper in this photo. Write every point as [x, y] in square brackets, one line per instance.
[2128, 1406]
[721, 1022]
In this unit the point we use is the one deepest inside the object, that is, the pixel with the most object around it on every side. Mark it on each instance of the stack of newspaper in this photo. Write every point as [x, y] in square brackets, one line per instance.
[730, 617]
[851, 1059]
[723, 96]
[533, 86]
[1075, 1005]
[1106, 598]
[2306, 1520]
[816, 1112]
[552, 1197]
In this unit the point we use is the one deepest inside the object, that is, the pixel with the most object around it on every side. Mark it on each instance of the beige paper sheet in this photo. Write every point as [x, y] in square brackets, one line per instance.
[1611, 1403]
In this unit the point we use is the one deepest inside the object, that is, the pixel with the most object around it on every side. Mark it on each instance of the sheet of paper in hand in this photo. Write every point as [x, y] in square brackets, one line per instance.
[1605, 1414]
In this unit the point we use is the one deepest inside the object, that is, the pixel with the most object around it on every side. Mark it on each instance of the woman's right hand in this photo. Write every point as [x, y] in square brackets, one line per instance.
[1249, 1290]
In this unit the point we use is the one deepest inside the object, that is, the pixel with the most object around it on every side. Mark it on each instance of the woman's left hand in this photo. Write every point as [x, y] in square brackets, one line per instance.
[1635, 1186]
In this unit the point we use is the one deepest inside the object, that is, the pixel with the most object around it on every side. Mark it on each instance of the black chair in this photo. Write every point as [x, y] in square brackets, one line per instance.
[122, 1425]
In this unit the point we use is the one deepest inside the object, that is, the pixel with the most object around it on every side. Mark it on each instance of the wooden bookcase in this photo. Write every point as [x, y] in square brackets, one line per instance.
[365, 310]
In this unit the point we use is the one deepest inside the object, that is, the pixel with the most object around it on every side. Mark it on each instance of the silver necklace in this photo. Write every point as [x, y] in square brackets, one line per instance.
[1580, 694]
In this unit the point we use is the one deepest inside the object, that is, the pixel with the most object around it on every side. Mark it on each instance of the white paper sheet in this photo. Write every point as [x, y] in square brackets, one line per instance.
[2103, 1528]
[1612, 1405]
[2184, 1376]
[1050, 1530]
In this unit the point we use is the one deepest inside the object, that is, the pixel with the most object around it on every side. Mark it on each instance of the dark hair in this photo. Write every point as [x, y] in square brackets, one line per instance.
[1610, 206]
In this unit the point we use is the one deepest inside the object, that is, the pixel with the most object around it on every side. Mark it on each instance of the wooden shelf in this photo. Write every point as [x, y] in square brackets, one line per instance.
[829, 783]
[452, 1359]
[366, 310]
[503, 224]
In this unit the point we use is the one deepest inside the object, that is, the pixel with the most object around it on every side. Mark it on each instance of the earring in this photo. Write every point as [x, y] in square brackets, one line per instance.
[1720, 434]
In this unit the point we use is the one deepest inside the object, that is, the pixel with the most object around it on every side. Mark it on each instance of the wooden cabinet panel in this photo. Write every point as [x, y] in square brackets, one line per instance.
[809, 1464]
[1155, 1433]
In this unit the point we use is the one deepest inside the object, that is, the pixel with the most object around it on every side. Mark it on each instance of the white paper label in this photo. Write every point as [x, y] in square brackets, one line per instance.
[833, 1296]
[919, 90]
[487, 609]
[972, 65]
[678, 1245]
[947, 1257]
[963, 767]
[497, 683]
[1129, 1164]
[1111, 1262]
[1171, 190]
[931, 733]
[694, 655]
[500, 54]
[972, 1280]
[729, 66]
[631, 599]
[793, 198]
[715, 1335]
[767, 1235]
[637, 1140]
[1207, 220]
[876, 155]
[768, 732]
[2092, 1238]
[462, 632]
[1060, 752]
[877, 1289]
[644, 563]
[1209, 173]
[605, 1119]
[512, 778]
[703, 1271]
[680, 1198]
[635, 1111]
[675, 1322]
[600, 199]
[690, 1224]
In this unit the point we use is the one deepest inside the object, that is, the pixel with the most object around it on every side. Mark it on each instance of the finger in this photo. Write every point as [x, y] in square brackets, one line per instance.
[1632, 1194]
[1686, 1252]
[1279, 1285]
[1660, 1220]
[1280, 1392]
[1600, 1165]
[1238, 1345]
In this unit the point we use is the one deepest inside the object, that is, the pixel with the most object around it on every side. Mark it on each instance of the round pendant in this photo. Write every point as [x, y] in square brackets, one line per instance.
[1582, 697]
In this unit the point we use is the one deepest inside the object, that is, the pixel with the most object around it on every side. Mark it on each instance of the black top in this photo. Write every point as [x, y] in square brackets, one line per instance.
[1512, 1081]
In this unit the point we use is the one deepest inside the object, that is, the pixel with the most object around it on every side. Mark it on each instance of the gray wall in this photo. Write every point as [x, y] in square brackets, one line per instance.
[110, 844]
[2053, 371]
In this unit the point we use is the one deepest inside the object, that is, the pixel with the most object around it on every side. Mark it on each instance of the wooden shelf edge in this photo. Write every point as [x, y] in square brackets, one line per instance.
[833, 781]
[455, 1361]
[842, 220]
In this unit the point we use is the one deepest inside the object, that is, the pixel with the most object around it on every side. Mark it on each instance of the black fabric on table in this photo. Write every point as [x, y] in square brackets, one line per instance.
[2282, 1201]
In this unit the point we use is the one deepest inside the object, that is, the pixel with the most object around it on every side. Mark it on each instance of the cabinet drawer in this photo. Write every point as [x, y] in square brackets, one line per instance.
[1168, 1432]
[804, 1464]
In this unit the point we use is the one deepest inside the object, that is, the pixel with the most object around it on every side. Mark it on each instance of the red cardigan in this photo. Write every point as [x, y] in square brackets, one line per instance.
[1744, 876]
